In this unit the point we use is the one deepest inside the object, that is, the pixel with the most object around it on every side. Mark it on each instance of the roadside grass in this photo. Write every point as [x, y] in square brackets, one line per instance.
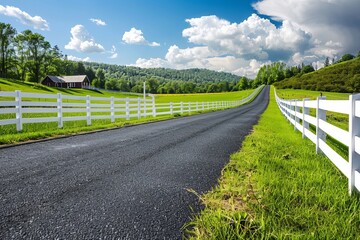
[277, 187]
[34, 131]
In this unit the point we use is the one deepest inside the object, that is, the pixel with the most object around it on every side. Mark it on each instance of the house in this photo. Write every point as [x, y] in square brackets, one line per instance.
[77, 81]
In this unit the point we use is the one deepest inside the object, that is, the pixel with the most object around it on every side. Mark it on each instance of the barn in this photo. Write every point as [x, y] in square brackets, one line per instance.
[77, 81]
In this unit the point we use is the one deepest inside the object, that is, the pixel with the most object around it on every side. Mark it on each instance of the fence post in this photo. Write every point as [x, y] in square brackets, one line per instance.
[153, 106]
[88, 110]
[59, 112]
[203, 106]
[112, 109]
[139, 108]
[19, 125]
[182, 107]
[197, 106]
[127, 110]
[144, 107]
[305, 111]
[171, 109]
[189, 108]
[320, 115]
[354, 131]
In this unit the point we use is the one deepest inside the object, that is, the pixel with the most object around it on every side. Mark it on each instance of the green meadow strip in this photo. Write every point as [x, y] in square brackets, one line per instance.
[276, 187]
[36, 131]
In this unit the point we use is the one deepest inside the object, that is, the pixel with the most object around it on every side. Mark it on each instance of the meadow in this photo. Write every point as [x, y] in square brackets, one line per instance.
[34, 131]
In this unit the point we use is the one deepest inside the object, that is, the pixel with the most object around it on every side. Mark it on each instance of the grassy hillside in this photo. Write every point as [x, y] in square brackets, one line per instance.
[12, 85]
[340, 77]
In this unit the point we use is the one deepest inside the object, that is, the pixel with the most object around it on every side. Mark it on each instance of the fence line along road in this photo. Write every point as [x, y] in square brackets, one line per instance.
[19, 108]
[298, 113]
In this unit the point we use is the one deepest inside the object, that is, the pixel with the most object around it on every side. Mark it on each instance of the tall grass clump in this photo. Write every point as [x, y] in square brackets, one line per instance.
[277, 187]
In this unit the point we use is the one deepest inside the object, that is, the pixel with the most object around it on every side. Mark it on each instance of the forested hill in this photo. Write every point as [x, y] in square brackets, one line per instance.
[194, 75]
[339, 77]
[162, 80]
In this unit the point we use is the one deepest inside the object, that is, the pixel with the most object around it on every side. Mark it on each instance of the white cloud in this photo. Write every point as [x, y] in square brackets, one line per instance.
[98, 22]
[81, 41]
[77, 59]
[309, 31]
[328, 21]
[152, 63]
[253, 38]
[36, 22]
[113, 52]
[135, 36]
[239, 48]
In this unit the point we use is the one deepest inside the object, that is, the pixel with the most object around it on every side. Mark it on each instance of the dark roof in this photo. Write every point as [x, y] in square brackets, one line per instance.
[68, 79]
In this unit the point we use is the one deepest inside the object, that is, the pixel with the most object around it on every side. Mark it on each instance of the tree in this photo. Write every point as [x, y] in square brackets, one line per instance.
[243, 83]
[21, 63]
[307, 69]
[327, 62]
[37, 48]
[346, 57]
[7, 35]
[100, 75]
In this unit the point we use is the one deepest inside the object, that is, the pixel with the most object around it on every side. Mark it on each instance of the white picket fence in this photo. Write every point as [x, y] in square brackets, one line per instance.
[21, 107]
[296, 110]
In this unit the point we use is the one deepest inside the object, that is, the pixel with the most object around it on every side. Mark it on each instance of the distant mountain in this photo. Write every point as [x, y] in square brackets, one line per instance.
[339, 77]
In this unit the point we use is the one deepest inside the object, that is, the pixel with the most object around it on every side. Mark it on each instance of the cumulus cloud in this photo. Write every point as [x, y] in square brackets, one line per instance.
[36, 22]
[308, 32]
[254, 38]
[81, 41]
[113, 52]
[98, 22]
[240, 48]
[152, 63]
[135, 36]
[77, 59]
[334, 24]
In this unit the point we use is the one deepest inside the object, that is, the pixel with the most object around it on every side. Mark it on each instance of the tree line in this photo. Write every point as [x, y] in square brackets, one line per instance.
[28, 56]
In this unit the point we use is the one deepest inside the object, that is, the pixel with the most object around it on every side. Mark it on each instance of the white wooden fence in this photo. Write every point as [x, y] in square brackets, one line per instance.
[296, 110]
[18, 108]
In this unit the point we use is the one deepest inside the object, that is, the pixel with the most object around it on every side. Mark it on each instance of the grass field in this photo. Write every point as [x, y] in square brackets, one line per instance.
[32, 131]
[276, 187]
[300, 94]
[203, 97]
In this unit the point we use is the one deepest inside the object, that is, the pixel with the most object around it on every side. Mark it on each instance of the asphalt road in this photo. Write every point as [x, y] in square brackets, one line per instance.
[128, 183]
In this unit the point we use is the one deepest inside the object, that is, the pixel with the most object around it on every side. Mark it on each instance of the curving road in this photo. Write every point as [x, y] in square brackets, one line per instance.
[128, 183]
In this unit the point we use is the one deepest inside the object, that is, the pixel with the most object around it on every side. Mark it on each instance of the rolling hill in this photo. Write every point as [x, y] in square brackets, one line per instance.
[340, 77]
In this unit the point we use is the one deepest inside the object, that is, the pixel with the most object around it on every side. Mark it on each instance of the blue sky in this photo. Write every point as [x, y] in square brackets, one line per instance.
[236, 36]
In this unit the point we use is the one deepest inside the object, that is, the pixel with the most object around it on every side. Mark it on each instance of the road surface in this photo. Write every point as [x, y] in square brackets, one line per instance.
[128, 183]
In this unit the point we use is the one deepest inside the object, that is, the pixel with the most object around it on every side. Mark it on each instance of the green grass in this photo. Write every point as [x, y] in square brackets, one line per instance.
[203, 97]
[33, 131]
[276, 187]
[300, 94]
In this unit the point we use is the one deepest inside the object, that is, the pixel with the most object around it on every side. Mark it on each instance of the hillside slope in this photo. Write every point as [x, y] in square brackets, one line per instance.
[340, 77]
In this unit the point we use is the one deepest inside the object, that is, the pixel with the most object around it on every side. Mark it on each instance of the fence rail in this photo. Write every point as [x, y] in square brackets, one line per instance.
[18, 108]
[298, 114]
